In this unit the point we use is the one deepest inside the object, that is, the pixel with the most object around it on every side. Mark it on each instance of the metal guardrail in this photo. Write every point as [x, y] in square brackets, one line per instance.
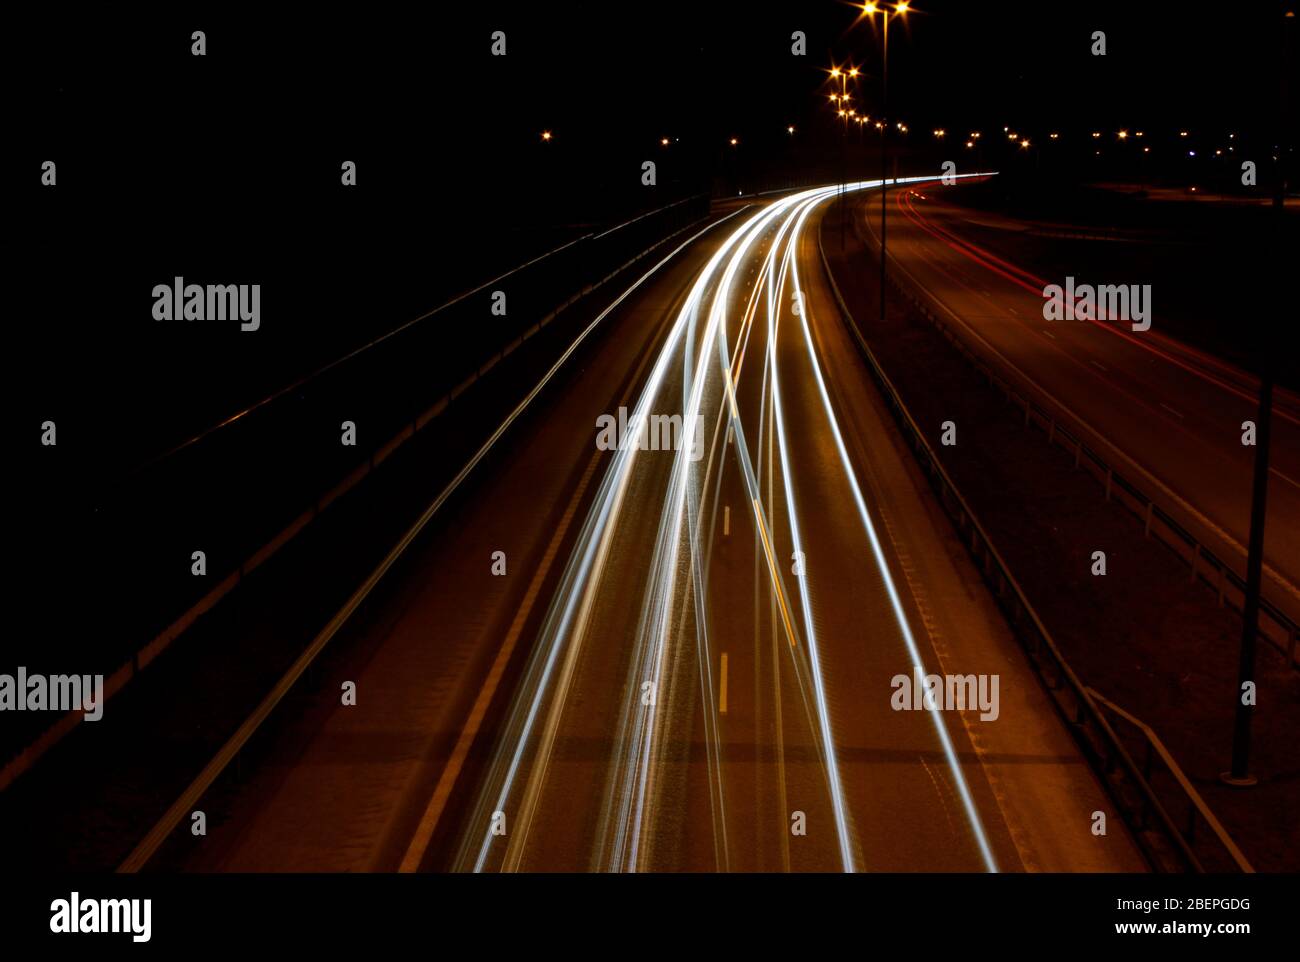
[297, 427]
[289, 441]
[1281, 630]
[1153, 751]
[1161, 841]
[356, 353]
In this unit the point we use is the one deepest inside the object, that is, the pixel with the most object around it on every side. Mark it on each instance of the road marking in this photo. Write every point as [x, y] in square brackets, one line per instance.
[1014, 311]
[1050, 334]
[726, 525]
[722, 687]
[1170, 410]
[1098, 366]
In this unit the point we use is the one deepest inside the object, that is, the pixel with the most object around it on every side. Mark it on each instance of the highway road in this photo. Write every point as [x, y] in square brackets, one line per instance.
[1172, 412]
[688, 662]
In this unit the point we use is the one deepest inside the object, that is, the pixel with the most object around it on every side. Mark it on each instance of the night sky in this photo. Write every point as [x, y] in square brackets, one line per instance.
[611, 79]
[228, 165]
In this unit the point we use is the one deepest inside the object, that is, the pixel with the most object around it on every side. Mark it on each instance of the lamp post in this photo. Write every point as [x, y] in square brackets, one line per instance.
[870, 9]
[1239, 774]
[846, 115]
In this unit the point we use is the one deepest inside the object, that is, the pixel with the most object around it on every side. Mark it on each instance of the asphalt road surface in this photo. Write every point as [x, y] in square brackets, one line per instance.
[689, 661]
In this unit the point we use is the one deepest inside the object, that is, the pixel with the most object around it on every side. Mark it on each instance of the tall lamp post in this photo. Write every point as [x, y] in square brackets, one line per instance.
[847, 116]
[1240, 774]
[870, 9]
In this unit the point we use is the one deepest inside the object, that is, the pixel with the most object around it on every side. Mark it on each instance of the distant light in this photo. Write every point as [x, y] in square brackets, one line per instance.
[1096, 133]
[870, 8]
[901, 6]
[1024, 143]
[1137, 133]
[1218, 153]
[853, 72]
[1123, 134]
[734, 141]
[1182, 133]
[835, 71]
[789, 130]
[546, 135]
[1191, 153]
[1146, 150]
[664, 141]
[970, 143]
[1054, 136]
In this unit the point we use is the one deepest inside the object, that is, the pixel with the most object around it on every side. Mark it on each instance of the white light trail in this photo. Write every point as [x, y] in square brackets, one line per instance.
[968, 802]
[534, 719]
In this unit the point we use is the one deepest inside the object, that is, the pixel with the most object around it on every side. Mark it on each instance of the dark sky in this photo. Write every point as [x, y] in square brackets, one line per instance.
[612, 75]
[227, 166]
